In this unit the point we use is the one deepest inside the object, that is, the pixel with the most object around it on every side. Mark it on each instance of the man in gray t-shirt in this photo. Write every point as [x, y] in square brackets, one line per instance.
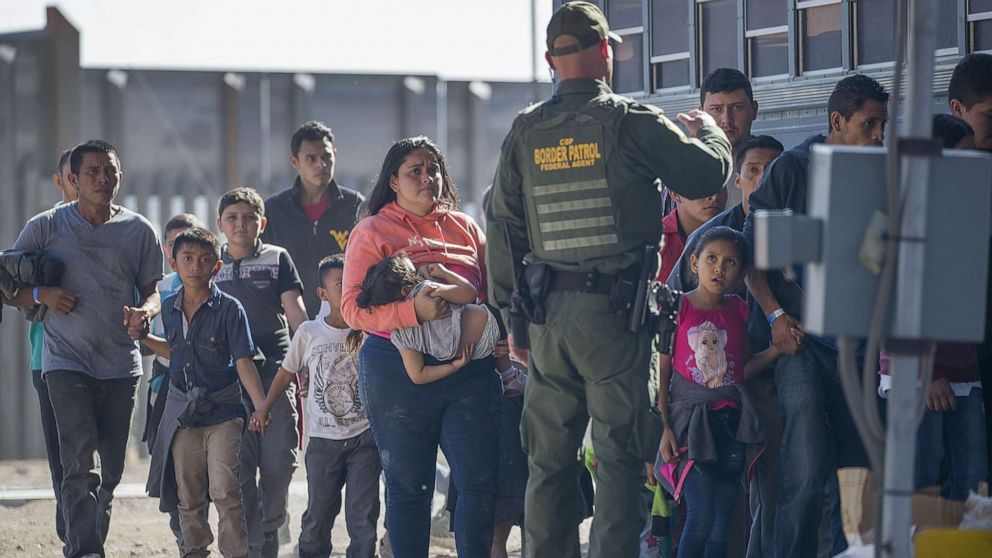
[90, 362]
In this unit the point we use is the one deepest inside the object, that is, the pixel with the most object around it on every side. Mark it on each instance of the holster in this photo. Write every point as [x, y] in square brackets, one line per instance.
[537, 279]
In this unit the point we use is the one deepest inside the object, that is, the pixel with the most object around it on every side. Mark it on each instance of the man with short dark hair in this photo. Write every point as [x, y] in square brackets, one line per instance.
[312, 218]
[90, 361]
[726, 95]
[818, 432]
[969, 96]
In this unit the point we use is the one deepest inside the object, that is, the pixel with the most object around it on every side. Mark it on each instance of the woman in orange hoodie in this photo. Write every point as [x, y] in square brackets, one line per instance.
[412, 209]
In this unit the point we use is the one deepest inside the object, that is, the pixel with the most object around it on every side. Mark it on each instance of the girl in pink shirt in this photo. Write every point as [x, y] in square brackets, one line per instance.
[705, 410]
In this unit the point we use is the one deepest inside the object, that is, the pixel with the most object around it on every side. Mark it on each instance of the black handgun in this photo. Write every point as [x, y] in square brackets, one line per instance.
[639, 311]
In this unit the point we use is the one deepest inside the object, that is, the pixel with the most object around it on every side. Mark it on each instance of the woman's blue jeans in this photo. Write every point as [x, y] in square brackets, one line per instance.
[461, 414]
[711, 490]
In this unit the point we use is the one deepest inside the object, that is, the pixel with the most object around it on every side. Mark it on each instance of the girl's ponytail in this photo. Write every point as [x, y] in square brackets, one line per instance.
[353, 342]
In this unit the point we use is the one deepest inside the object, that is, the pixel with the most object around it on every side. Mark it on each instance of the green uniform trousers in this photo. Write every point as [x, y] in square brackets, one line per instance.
[584, 365]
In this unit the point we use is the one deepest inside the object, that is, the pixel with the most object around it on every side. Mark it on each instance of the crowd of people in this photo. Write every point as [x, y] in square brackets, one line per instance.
[377, 328]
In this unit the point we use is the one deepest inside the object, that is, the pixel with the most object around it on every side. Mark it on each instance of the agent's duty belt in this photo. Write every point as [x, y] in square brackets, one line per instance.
[590, 282]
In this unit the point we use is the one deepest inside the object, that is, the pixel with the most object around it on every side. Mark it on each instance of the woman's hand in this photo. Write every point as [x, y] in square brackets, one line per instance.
[669, 446]
[464, 355]
[428, 306]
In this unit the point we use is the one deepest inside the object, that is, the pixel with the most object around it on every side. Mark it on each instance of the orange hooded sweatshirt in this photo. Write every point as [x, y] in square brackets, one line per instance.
[442, 236]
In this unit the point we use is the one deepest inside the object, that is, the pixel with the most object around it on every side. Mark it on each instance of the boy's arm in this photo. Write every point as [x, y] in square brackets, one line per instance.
[158, 345]
[413, 361]
[755, 364]
[251, 381]
[454, 287]
[137, 318]
[279, 384]
[292, 305]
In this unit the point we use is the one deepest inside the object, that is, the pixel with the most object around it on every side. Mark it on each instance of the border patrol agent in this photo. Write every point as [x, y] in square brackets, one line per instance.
[576, 196]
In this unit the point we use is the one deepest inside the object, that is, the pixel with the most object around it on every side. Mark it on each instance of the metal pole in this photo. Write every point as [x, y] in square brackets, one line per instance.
[900, 442]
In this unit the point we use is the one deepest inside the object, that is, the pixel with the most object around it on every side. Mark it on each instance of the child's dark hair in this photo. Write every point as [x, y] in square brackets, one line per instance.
[950, 130]
[727, 234]
[330, 262]
[197, 236]
[242, 195]
[182, 221]
[384, 282]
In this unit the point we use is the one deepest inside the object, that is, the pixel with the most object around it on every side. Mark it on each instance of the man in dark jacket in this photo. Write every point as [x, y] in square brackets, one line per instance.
[313, 218]
[818, 433]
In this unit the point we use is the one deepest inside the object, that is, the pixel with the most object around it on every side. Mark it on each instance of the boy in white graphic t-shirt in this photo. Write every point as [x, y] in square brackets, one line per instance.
[341, 449]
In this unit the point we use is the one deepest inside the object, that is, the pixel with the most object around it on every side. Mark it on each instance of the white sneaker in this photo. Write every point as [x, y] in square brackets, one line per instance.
[514, 381]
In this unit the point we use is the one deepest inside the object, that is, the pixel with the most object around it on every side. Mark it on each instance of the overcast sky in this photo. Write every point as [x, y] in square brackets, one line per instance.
[457, 39]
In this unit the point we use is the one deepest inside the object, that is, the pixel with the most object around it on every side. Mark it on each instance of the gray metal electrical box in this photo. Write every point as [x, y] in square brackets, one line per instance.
[846, 189]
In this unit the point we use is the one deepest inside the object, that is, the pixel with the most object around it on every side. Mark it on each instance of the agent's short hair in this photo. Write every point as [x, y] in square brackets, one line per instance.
[197, 236]
[725, 80]
[242, 195]
[950, 130]
[972, 80]
[851, 93]
[756, 142]
[314, 130]
[182, 221]
[91, 146]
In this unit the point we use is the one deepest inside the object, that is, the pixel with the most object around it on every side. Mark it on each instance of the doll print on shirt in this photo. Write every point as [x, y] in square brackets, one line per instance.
[336, 388]
[708, 362]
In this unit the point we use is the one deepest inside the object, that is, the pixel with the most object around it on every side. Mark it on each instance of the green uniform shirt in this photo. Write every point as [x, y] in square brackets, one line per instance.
[650, 148]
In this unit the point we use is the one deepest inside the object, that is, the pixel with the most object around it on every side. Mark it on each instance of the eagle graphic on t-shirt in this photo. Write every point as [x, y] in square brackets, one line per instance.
[336, 385]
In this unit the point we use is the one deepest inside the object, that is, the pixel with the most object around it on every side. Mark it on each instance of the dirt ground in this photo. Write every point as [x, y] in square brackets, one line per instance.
[137, 527]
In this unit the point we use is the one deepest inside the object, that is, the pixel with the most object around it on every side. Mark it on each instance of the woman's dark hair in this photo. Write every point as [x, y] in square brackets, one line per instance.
[950, 130]
[383, 194]
[728, 234]
[384, 281]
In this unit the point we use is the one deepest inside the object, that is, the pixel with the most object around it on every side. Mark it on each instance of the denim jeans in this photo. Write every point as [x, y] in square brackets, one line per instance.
[333, 465]
[818, 435]
[92, 415]
[711, 491]
[461, 414]
[51, 433]
[958, 437]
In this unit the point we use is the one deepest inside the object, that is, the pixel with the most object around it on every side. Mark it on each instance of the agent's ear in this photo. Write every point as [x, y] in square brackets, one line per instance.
[550, 60]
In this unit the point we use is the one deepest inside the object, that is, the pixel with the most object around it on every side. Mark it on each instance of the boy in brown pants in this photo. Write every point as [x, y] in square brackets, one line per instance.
[196, 455]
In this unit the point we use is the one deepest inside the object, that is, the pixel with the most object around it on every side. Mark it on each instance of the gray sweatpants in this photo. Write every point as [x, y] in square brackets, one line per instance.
[267, 466]
[332, 465]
